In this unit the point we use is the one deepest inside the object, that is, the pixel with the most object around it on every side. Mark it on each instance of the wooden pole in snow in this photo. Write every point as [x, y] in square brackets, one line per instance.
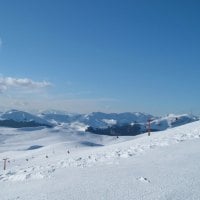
[149, 127]
[4, 165]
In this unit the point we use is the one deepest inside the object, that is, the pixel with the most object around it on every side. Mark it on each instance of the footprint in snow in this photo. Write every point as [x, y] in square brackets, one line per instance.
[143, 180]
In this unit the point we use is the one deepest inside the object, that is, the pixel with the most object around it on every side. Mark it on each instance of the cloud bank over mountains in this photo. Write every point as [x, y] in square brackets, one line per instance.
[7, 83]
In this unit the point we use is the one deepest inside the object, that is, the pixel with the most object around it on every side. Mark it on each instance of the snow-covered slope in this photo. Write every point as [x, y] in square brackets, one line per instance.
[171, 121]
[72, 165]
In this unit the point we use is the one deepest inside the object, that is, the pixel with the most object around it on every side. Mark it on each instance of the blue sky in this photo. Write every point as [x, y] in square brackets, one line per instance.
[108, 55]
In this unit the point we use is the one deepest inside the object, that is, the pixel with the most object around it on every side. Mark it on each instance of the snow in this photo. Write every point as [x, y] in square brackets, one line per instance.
[171, 121]
[63, 163]
[110, 122]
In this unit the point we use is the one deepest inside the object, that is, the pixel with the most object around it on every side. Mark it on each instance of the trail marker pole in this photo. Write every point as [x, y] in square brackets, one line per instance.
[4, 165]
[149, 127]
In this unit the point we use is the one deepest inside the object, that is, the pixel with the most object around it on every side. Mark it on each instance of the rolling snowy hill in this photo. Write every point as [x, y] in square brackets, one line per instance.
[79, 165]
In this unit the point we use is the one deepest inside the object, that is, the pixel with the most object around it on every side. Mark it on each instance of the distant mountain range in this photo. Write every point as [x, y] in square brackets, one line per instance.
[19, 119]
[97, 122]
[97, 119]
[141, 125]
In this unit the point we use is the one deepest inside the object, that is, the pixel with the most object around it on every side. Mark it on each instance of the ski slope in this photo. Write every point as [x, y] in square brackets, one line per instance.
[65, 164]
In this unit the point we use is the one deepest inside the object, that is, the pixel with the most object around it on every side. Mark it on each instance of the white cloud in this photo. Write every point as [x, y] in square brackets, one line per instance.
[24, 83]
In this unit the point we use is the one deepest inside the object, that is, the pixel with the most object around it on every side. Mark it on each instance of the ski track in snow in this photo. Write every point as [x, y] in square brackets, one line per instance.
[103, 155]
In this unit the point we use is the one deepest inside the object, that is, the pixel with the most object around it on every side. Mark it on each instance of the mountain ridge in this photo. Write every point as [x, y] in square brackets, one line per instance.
[96, 120]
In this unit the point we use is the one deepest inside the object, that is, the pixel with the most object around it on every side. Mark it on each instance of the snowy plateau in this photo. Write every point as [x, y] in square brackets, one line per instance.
[56, 159]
